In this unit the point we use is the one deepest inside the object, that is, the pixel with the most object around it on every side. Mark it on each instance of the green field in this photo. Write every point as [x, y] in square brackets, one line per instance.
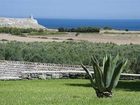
[65, 92]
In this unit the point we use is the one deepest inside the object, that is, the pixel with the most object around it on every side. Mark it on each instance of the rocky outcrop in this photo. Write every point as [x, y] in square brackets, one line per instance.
[20, 23]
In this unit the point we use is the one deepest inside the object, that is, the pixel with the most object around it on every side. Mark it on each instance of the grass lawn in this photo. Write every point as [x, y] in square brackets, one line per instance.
[65, 92]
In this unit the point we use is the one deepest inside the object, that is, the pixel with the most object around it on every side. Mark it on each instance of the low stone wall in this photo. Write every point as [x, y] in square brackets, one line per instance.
[29, 70]
[118, 32]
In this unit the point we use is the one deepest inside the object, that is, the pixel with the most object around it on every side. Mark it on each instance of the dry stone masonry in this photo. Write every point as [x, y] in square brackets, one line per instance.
[29, 70]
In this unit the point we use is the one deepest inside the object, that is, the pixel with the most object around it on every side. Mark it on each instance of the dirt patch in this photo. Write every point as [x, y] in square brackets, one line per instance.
[96, 38]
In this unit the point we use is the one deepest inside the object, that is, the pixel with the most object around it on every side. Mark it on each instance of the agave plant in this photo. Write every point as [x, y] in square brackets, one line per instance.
[105, 77]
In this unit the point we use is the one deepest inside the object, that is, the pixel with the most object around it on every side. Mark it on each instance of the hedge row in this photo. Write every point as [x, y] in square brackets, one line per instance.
[69, 52]
[80, 29]
[18, 31]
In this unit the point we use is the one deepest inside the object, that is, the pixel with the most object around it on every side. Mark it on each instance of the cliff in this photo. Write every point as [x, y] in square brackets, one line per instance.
[20, 23]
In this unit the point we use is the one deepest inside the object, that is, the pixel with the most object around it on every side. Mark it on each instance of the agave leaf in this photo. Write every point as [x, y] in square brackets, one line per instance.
[106, 72]
[98, 75]
[116, 75]
[93, 58]
[110, 69]
[113, 64]
[104, 60]
[90, 76]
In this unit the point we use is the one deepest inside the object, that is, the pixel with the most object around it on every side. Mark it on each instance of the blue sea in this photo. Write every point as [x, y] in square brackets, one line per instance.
[73, 23]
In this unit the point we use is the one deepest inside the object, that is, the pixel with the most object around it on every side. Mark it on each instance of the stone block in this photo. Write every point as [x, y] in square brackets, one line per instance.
[42, 76]
[55, 76]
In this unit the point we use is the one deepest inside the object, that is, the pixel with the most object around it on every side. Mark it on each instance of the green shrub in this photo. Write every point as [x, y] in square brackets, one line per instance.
[18, 31]
[107, 28]
[69, 52]
[80, 29]
[126, 30]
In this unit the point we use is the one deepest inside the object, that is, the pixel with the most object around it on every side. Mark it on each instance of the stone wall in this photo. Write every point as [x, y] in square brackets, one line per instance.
[118, 32]
[29, 70]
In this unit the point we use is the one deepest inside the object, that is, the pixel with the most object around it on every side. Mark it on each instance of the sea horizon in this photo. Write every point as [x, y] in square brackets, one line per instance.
[121, 24]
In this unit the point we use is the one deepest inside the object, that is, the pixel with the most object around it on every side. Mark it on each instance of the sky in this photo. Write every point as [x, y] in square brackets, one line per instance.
[71, 9]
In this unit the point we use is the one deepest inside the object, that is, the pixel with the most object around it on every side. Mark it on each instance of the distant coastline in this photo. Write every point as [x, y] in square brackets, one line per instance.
[20, 23]
[120, 24]
[117, 24]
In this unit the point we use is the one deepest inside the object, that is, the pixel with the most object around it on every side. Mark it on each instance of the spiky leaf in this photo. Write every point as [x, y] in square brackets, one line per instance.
[109, 68]
[98, 75]
[116, 75]
[90, 76]
[106, 71]
[113, 65]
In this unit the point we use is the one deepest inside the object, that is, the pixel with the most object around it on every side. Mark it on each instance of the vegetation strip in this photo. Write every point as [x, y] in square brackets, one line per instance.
[72, 53]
